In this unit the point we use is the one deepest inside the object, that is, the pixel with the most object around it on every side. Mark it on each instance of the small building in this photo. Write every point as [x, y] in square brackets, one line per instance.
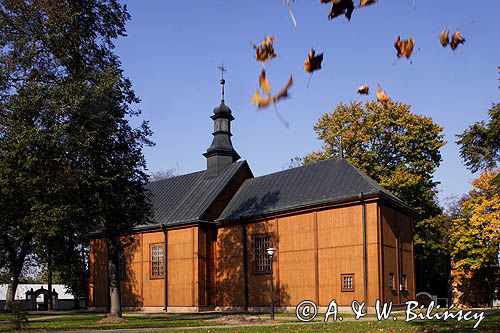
[338, 234]
[35, 296]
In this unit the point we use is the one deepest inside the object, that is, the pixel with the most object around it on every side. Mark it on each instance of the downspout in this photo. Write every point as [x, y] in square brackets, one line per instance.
[365, 270]
[245, 267]
[165, 267]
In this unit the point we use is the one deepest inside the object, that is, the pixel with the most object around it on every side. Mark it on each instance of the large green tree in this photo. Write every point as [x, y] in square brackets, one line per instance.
[401, 151]
[61, 53]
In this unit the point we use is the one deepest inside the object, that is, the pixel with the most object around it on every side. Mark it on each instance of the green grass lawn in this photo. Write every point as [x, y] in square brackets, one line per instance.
[286, 323]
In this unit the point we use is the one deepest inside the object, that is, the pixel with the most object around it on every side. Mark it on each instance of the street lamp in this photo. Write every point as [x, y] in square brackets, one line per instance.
[270, 251]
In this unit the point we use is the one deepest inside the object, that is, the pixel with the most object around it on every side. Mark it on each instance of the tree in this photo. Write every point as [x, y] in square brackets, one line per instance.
[398, 149]
[475, 239]
[162, 174]
[475, 232]
[57, 62]
[480, 143]
[22, 156]
[432, 254]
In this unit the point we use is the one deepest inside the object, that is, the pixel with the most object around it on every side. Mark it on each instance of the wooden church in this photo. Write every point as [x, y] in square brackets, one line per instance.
[337, 233]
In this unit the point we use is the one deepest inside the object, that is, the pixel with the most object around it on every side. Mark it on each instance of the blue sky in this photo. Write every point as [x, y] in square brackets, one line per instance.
[173, 49]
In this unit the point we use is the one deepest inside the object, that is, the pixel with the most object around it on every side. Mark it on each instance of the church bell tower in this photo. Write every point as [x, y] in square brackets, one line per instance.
[221, 153]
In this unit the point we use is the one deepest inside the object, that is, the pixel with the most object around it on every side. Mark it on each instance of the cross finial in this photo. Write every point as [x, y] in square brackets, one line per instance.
[222, 81]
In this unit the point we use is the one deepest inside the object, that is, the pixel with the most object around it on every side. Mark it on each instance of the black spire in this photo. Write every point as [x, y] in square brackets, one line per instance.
[221, 152]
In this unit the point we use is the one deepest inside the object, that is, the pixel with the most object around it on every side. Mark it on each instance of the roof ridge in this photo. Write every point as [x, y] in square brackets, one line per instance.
[178, 176]
[300, 167]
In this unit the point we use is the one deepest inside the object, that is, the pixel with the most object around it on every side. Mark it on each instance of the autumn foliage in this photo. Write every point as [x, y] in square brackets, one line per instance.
[475, 232]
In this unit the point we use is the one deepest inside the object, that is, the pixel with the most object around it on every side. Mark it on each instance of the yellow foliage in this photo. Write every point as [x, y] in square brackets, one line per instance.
[475, 233]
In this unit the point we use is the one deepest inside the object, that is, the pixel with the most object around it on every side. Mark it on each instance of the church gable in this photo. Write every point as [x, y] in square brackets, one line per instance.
[193, 197]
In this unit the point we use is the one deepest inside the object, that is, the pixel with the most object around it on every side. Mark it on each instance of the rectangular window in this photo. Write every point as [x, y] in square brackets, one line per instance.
[403, 282]
[122, 265]
[391, 281]
[261, 260]
[156, 253]
[347, 282]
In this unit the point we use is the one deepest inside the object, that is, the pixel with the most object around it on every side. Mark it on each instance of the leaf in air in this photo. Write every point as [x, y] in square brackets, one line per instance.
[265, 50]
[364, 3]
[404, 47]
[382, 97]
[263, 102]
[264, 82]
[456, 39]
[340, 7]
[364, 90]
[313, 62]
[258, 100]
[284, 92]
[444, 38]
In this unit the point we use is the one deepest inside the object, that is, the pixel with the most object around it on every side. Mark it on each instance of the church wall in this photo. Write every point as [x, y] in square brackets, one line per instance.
[394, 223]
[340, 251]
[182, 267]
[140, 290]
[98, 282]
[314, 249]
[229, 274]
[205, 265]
[132, 277]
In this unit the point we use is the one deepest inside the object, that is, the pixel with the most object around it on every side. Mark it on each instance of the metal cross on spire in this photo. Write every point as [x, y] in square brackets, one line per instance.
[222, 81]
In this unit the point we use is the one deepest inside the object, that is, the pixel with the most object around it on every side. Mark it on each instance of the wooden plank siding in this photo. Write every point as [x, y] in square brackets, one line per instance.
[394, 223]
[314, 248]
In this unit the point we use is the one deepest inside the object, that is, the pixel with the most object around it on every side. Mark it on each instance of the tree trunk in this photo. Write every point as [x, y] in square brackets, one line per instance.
[115, 307]
[11, 289]
[76, 301]
[50, 305]
[15, 259]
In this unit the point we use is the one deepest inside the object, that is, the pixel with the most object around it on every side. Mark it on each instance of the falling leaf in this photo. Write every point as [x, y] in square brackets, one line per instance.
[444, 38]
[340, 7]
[284, 92]
[264, 82]
[364, 3]
[263, 102]
[456, 39]
[404, 47]
[364, 90]
[259, 101]
[265, 50]
[382, 97]
[313, 62]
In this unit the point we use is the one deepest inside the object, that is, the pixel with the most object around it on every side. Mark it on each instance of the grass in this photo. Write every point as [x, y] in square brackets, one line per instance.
[286, 323]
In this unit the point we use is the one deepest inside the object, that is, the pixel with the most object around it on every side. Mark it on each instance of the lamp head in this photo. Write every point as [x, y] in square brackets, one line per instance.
[270, 251]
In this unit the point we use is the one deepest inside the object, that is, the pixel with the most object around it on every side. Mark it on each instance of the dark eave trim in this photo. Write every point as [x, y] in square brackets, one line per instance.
[161, 226]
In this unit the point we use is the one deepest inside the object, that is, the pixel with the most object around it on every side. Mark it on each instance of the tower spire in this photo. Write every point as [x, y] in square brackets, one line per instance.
[221, 152]
[222, 81]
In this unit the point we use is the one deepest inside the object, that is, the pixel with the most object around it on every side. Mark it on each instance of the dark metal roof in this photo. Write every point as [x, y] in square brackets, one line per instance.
[311, 184]
[186, 198]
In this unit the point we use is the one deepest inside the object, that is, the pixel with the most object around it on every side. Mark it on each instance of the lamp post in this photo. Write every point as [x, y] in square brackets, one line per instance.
[270, 251]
